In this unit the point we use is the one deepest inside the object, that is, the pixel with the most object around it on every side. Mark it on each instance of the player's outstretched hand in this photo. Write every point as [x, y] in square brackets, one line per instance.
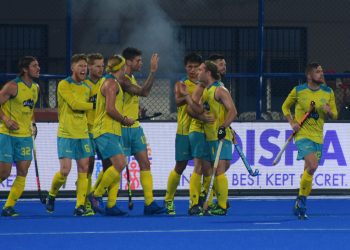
[295, 126]
[154, 62]
[11, 124]
[183, 89]
[327, 108]
[127, 121]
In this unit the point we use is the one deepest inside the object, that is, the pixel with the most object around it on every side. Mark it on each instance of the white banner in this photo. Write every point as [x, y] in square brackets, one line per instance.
[259, 141]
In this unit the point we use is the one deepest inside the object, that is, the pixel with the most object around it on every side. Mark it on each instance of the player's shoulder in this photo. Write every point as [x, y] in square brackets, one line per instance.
[301, 87]
[67, 80]
[325, 88]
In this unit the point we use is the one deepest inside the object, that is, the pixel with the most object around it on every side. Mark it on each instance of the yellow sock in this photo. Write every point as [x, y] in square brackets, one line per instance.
[16, 191]
[305, 184]
[195, 188]
[147, 186]
[108, 177]
[221, 188]
[113, 192]
[98, 180]
[57, 182]
[82, 186]
[173, 182]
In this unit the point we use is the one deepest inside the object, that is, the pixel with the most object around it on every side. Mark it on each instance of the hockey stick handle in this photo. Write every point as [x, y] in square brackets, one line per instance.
[149, 117]
[42, 199]
[130, 204]
[306, 115]
[216, 163]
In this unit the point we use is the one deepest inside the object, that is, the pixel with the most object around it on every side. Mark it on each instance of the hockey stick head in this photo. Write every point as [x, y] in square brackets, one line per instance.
[43, 195]
[255, 173]
[130, 205]
[156, 114]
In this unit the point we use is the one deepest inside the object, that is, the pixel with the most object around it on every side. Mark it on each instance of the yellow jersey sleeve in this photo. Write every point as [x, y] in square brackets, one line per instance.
[289, 102]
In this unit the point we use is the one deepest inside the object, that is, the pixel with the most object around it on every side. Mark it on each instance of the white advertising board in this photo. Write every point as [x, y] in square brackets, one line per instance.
[259, 141]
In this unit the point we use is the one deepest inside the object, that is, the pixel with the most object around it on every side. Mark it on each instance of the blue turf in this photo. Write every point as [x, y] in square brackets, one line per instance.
[250, 224]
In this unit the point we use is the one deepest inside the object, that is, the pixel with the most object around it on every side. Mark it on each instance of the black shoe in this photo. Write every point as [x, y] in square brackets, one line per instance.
[153, 208]
[50, 203]
[80, 211]
[115, 211]
[9, 212]
[300, 207]
[195, 210]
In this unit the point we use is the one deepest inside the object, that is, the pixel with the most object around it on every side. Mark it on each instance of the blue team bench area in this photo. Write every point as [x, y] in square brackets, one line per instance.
[251, 223]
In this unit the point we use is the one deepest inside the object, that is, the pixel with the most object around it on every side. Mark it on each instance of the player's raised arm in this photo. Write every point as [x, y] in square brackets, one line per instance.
[145, 89]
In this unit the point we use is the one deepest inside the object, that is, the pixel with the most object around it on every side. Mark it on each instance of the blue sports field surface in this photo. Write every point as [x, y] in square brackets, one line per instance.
[251, 223]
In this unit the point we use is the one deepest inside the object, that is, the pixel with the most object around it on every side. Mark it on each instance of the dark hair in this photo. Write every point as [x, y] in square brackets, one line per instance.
[92, 57]
[311, 66]
[130, 53]
[210, 66]
[78, 57]
[24, 63]
[215, 57]
[193, 58]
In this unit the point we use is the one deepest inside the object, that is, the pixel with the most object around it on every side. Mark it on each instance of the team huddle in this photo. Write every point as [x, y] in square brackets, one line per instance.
[98, 111]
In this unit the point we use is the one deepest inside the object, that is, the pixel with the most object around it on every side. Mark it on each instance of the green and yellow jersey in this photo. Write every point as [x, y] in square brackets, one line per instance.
[73, 102]
[131, 104]
[302, 96]
[183, 118]
[218, 110]
[90, 114]
[103, 122]
[20, 108]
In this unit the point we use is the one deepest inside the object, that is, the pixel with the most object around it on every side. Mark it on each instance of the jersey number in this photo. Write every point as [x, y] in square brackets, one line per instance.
[25, 151]
[87, 148]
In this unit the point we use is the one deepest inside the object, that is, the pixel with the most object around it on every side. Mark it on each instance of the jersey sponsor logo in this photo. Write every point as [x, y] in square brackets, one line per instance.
[28, 103]
[206, 106]
[314, 115]
[93, 98]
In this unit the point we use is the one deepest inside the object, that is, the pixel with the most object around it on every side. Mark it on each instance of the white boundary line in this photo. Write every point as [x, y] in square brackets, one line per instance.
[183, 231]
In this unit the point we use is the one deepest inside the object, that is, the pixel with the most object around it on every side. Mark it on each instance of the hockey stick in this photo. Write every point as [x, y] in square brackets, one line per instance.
[149, 117]
[130, 204]
[307, 114]
[41, 195]
[241, 154]
[216, 163]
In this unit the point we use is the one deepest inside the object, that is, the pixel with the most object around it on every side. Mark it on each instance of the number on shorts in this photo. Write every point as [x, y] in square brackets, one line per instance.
[25, 151]
[87, 148]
